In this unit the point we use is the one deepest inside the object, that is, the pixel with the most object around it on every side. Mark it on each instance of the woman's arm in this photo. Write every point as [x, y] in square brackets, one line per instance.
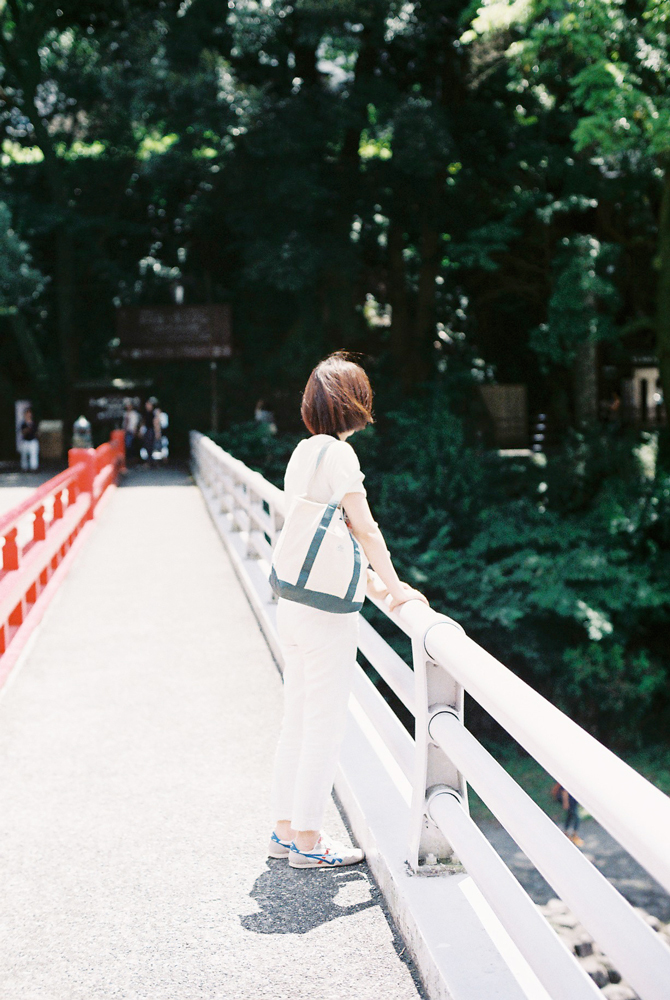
[366, 531]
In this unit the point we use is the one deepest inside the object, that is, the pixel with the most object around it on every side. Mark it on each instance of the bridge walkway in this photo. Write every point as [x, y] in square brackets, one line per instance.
[136, 739]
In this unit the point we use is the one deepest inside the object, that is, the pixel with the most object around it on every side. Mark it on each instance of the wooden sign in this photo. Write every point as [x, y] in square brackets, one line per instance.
[508, 409]
[167, 333]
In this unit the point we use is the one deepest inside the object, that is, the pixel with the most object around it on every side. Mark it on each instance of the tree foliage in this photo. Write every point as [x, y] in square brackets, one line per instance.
[462, 192]
[20, 281]
[361, 174]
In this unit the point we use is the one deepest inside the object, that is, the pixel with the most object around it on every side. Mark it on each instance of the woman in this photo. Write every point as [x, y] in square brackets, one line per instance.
[319, 647]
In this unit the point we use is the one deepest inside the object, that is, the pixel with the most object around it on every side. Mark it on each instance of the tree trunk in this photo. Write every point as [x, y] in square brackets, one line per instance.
[32, 355]
[66, 333]
[424, 322]
[397, 296]
[586, 383]
[663, 310]
[339, 279]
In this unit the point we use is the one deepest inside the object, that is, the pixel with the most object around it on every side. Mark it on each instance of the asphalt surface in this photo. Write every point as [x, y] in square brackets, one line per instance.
[136, 740]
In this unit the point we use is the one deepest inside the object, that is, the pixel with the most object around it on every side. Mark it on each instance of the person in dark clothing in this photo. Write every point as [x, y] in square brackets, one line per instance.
[29, 446]
[571, 813]
[148, 429]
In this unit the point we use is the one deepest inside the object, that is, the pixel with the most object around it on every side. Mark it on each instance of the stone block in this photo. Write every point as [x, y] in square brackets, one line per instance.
[614, 974]
[555, 906]
[649, 918]
[583, 947]
[619, 991]
[560, 920]
[596, 970]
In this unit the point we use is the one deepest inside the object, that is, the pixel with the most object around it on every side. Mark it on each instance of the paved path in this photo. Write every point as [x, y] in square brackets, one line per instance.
[16, 486]
[135, 747]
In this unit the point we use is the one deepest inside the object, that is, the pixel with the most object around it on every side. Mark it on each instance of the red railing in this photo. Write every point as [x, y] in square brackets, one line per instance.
[38, 533]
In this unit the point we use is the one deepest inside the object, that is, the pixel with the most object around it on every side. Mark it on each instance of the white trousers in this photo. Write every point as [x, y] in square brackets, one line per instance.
[319, 651]
[30, 454]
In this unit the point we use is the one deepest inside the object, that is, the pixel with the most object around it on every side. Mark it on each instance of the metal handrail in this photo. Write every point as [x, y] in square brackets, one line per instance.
[446, 757]
[633, 810]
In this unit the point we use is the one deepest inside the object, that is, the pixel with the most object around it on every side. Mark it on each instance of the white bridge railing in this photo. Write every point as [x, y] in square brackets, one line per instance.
[444, 758]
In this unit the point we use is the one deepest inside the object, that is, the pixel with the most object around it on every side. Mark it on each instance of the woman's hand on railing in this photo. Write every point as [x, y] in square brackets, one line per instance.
[377, 590]
[407, 594]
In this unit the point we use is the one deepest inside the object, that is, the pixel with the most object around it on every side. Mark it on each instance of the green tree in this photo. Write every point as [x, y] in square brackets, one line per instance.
[72, 123]
[606, 62]
[21, 285]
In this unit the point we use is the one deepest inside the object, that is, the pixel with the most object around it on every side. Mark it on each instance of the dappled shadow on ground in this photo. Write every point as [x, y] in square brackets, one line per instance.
[295, 902]
[171, 475]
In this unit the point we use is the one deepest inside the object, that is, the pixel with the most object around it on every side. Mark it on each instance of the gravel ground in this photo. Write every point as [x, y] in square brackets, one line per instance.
[135, 748]
[632, 881]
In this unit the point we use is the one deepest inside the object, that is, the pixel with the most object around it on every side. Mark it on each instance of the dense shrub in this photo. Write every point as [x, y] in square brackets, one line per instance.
[254, 444]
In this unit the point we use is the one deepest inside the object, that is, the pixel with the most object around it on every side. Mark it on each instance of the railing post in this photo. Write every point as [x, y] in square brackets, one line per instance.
[435, 691]
[226, 499]
[10, 551]
[87, 476]
[39, 527]
[118, 439]
[58, 506]
[235, 503]
[254, 501]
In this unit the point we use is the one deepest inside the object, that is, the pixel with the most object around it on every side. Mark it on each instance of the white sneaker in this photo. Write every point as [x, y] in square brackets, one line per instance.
[278, 848]
[326, 853]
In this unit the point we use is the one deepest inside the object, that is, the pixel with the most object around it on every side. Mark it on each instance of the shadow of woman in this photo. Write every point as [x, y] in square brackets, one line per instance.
[294, 902]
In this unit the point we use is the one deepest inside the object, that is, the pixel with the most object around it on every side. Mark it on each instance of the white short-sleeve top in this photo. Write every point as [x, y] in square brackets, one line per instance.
[339, 468]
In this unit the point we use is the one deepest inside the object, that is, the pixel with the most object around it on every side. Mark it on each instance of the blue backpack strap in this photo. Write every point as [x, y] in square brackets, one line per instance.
[355, 576]
[315, 544]
[327, 517]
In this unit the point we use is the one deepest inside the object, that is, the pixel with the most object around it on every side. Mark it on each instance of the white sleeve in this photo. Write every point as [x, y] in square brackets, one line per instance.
[343, 469]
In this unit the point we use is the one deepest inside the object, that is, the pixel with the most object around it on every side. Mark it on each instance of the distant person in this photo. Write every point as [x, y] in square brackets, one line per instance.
[571, 813]
[148, 430]
[318, 630]
[131, 424]
[614, 409]
[265, 416]
[162, 445]
[29, 447]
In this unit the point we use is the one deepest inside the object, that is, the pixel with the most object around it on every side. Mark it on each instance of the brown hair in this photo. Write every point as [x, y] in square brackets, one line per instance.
[337, 397]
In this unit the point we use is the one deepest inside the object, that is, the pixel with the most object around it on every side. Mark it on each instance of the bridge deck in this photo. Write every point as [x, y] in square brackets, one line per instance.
[136, 740]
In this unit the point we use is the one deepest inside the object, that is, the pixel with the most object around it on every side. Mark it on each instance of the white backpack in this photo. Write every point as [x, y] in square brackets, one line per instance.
[317, 561]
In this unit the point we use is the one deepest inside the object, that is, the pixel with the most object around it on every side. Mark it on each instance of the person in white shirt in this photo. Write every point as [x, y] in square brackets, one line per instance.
[319, 647]
[131, 423]
[30, 445]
